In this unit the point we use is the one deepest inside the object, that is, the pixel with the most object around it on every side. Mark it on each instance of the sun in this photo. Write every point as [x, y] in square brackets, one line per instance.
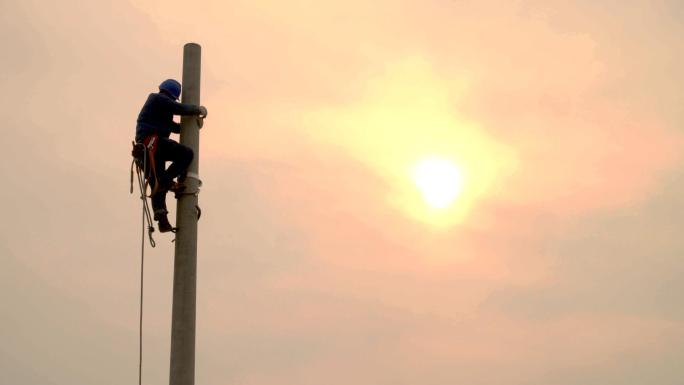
[432, 164]
[440, 181]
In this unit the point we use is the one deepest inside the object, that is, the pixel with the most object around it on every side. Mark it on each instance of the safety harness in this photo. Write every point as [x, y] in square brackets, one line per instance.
[144, 164]
[145, 150]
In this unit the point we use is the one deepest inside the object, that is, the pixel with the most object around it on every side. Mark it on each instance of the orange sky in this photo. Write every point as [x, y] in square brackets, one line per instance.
[318, 261]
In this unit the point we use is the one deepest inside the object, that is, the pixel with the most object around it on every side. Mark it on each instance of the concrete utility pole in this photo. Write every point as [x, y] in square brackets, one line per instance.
[185, 264]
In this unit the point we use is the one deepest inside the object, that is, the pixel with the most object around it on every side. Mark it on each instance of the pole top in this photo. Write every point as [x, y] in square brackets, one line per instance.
[192, 45]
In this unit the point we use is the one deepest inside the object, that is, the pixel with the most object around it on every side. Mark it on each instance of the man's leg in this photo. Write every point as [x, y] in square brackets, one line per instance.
[159, 197]
[180, 157]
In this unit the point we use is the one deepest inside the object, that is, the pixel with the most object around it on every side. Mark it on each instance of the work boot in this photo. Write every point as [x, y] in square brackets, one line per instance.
[163, 224]
[176, 187]
[181, 178]
[162, 221]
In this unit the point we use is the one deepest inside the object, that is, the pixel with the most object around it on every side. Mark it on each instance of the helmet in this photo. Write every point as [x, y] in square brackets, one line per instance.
[172, 87]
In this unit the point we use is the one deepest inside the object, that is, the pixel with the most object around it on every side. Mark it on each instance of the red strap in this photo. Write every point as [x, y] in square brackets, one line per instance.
[150, 143]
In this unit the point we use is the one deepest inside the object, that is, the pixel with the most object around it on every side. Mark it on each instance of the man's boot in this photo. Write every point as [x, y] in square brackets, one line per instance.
[162, 221]
[177, 187]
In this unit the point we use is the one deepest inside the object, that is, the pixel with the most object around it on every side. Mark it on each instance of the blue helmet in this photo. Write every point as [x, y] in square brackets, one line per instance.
[172, 87]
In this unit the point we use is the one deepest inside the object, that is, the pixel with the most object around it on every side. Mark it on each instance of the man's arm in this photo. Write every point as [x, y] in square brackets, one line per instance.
[180, 108]
[175, 128]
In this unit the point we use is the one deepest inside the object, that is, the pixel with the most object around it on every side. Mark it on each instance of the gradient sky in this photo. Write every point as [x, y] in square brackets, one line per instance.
[318, 264]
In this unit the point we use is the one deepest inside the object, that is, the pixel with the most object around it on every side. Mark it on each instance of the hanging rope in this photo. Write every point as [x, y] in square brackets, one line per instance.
[142, 281]
[140, 168]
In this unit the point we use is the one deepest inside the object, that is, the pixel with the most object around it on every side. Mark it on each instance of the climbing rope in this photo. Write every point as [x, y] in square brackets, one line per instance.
[140, 168]
[142, 281]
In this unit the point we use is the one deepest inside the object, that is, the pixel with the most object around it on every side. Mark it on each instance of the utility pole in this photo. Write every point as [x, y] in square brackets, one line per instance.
[185, 261]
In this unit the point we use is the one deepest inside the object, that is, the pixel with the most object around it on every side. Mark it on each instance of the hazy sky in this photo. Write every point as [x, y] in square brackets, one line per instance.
[319, 264]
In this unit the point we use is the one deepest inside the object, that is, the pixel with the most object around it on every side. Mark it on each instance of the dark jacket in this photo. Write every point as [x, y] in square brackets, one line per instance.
[156, 116]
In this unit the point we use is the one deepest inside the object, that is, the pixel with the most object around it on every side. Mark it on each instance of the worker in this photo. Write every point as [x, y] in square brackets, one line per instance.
[155, 124]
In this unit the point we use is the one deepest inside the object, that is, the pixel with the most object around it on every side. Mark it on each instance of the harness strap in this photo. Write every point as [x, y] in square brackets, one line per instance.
[150, 143]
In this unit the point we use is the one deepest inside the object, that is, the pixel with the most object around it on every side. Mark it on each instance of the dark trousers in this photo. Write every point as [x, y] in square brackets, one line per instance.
[180, 157]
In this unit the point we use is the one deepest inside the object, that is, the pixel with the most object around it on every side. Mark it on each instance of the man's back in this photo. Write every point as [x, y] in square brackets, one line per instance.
[156, 116]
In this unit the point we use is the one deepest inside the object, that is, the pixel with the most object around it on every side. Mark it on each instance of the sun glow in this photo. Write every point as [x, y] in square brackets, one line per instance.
[439, 180]
[405, 129]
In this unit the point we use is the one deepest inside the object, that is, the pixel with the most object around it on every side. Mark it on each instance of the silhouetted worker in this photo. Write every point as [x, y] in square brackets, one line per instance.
[155, 125]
